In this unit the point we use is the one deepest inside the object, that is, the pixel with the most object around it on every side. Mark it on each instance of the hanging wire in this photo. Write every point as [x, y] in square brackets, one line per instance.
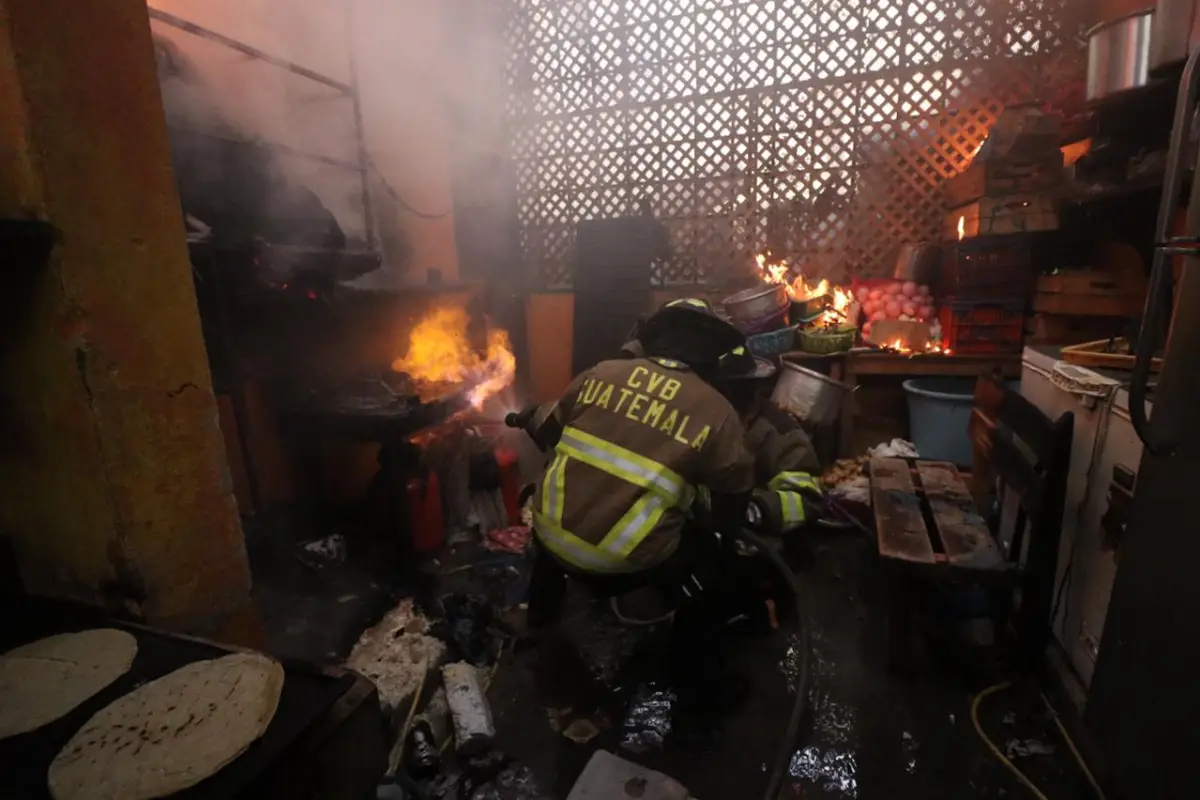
[387, 187]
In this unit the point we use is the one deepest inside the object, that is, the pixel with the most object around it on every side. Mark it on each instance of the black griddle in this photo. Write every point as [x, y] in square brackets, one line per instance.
[307, 695]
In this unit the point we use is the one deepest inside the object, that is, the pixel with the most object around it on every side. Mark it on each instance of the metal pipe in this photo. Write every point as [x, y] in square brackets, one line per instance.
[1189, 84]
[241, 47]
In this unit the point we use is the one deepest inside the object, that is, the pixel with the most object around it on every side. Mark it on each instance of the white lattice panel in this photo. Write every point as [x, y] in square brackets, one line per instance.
[817, 129]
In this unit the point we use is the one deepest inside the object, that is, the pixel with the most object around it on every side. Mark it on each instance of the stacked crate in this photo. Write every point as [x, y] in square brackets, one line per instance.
[1002, 222]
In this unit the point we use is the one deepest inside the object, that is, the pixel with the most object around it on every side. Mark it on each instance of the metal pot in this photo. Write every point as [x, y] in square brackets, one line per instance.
[751, 306]
[811, 396]
[1176, 32]
[916, 262]
[1119, 54]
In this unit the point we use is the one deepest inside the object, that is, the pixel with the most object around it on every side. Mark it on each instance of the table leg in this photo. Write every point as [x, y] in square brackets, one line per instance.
[846, 433]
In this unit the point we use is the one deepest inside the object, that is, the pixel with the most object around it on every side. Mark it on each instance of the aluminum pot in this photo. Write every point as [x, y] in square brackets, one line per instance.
[1176, 32]
[752, 306]
[1119, 54]
[811, 396]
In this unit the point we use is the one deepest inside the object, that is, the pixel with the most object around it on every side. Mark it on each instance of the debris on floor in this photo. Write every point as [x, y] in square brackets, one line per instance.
[499, 779]
[396, 654]
[581, 731]
[648, 721]
[896, 448]
[1018, 748]
[323, 552]
[466, 625]
[474, 731]
[607, 777]
[513, 539]
[831, 770]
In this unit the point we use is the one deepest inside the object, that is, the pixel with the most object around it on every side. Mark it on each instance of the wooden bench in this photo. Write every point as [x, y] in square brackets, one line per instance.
[925, 515]
[931, 526]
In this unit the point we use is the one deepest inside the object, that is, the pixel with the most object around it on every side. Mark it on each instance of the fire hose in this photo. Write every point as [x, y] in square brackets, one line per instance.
[783, 757]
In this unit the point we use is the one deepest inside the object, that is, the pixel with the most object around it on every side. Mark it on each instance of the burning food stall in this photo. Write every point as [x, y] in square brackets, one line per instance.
[415, 377]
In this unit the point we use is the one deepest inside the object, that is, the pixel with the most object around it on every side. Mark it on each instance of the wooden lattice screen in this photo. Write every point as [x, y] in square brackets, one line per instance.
[816, 130]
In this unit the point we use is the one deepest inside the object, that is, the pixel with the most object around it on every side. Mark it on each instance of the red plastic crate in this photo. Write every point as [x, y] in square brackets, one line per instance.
[993, 326]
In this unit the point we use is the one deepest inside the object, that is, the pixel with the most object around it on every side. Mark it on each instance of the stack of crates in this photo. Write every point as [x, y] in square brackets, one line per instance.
[984, 287]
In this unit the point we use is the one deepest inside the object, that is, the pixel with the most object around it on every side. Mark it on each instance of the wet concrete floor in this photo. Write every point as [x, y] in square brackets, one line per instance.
[868, 735]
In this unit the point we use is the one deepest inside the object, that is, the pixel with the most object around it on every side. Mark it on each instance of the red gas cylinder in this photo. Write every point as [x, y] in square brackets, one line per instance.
[425, 512]
[510, 483]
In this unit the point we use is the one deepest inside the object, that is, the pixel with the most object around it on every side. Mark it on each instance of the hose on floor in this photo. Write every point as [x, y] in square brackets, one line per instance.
[783, 758]
[1003, 759]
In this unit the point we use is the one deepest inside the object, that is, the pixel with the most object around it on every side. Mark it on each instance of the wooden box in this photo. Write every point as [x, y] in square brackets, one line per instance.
[1018, 213]
[1091, 293]
[999, 177]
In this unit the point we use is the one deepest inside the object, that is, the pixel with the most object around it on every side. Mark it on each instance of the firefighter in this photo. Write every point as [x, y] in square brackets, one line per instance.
[787, 493]
[634, 438]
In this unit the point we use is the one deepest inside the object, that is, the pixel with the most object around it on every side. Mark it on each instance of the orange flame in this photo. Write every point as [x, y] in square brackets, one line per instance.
[800, 291]
[902, 347]
[962, 227]
[439, 354]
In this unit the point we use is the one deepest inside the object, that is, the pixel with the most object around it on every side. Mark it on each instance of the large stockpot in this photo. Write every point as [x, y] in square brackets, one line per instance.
[750, 307]
[1119, 54]
[1176, 32]
[811, 396]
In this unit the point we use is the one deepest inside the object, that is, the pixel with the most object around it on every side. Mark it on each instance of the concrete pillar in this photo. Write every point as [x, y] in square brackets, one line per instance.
[114, 487]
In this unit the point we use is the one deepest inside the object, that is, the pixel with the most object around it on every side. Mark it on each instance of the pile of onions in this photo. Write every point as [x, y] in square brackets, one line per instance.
[898, 300]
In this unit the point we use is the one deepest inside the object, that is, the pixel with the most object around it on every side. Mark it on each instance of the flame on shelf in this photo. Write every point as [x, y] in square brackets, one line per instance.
[799, 290]
[962, 227]
[902, 347]
[439, 353]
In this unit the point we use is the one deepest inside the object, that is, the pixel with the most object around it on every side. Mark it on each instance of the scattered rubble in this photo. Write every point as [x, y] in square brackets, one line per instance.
[581, 731]
[607, 776]
[1018, 748]
[395, 654]
[474, 731]
[648, 722]
[323, 552]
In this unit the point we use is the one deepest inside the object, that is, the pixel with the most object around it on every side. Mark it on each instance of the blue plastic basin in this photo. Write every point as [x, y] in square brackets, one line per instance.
[939, 411]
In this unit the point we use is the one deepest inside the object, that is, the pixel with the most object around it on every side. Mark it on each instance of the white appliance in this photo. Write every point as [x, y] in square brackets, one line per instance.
[1104, 438]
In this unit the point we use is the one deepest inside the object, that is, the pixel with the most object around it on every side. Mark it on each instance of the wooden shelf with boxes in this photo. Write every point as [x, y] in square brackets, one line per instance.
[1081, 305]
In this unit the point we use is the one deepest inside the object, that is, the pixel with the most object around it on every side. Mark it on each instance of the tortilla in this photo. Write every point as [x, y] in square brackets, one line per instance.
[171, 733]
[45, 680]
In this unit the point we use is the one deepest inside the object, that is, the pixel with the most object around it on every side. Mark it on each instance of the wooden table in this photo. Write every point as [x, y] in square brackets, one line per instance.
[847, 367]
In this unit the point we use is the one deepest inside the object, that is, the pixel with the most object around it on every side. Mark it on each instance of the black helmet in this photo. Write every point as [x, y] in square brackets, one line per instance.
[688, 329]
[740, 364]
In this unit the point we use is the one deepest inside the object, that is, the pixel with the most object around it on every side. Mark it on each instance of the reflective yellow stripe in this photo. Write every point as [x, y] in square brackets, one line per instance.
[574, 551]
[624, 464]
[798, 481]
[663, 490]
[633, 528]
[669, 363]
[554, 488]
[792, 506]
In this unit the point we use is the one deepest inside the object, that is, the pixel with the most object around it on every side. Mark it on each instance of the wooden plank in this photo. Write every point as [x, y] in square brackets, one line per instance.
[967, 365]
[1092, 354]
[1088, 305]
[899, 525]
[964, 535]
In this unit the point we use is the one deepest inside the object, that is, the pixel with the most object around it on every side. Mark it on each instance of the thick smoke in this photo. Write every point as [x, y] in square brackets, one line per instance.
[239, 126]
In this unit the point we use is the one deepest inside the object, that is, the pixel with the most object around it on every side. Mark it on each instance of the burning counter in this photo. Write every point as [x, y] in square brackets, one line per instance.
[895, 315]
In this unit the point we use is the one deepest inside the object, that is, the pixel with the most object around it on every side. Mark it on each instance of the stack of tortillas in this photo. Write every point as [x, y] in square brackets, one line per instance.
[171, 733]
[47, 679]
